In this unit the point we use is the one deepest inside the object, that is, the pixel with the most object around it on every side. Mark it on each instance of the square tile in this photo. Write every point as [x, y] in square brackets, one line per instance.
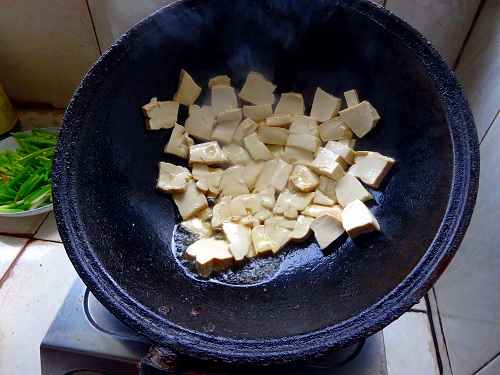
[29, 299]
[10, 247]
[48, 229]
[21, 226]
[409, 347]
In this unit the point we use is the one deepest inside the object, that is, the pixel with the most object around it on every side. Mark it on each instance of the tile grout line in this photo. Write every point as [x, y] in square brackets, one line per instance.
[442, 330]
[486, 364]
[469, 33]
[433, 333]
[93, 27]
[489, 127]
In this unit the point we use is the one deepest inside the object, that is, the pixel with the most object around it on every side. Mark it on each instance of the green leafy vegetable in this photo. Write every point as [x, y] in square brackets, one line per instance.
[26, 173]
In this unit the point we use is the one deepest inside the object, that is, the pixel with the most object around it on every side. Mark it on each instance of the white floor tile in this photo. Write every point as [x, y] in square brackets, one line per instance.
[21, 226]
[29, 299]
[48, 229]
[409, 347]
[10, 247]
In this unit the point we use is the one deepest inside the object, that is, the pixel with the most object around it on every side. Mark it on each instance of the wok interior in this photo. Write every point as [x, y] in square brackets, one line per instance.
[299, 46]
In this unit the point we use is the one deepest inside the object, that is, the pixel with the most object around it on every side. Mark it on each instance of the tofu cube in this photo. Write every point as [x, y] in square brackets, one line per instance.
[334, 129]
[191, 201]
[160, 115]
[326, 228]
[223, 80]
[224, 131]
[256, 148]
[351, 98]
[357, 219]
[172, 178]
[345, 151]
[200, 122]
[327, 164]
[280, 176]
[371, 167]
[208, 153]
[188, 91]
[290, 104]
[350, 189]
[361, 118]
[258, 112]
[179, 142]
[223, 98]
[325, 106]
[303, 179]
[244, 129]
[303, 141]
[273, 135]
[257, 90]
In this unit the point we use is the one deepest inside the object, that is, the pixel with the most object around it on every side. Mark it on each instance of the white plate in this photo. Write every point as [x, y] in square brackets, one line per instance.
[12, 144]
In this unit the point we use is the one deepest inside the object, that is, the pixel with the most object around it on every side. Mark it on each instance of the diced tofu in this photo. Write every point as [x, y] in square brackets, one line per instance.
[279, 220]
[160, 115]
[256, 148]
[264, 181]
[325, 106]
[239, 238]
[252, 171]
[295, 155]
[198, 226]
[223, 98]
[304, 179]
[191, 201]
[207, 179]
[210, 255]
[334, 129]
[348, 142]
[208, 153]
[302, 229]
[326, 164]
[277, 236]
[230, 115]
[316, 210]
[281, 121]
[258, 112]
[273, 135]
[205, 215]
[290, 104]
[351, 98]
[227, 210]
[172, 178]
[280, 175]
[179, 142]
[257, 90]
[277, 151]
[260, 204]
[244, 129]
[327, 229]
[303, 141]
[236, 154]
[357, 219]
[224, 131]
[219, 81]
[260, 241]
[200, 122]
[361, 118]
[232, 183]
[188, 91]
[371, 167]
[290, 204]
[350, 189]
[332, 155]
[327, 186]
[345, 151]
[321, 198]
[304, 125]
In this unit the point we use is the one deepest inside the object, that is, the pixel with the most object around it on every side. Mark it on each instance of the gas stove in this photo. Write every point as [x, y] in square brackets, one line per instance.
[87, 339]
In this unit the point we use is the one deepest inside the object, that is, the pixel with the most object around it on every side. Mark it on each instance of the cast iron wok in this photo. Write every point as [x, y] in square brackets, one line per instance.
[118, 230]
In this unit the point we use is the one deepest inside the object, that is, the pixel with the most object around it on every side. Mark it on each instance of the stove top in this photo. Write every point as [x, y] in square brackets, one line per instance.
[86, 339]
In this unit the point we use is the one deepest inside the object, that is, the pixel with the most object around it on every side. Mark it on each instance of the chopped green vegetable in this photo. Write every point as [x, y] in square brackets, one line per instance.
[26, 173]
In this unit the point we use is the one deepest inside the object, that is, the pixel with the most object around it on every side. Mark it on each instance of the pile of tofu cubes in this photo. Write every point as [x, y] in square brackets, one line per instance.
[275, 174]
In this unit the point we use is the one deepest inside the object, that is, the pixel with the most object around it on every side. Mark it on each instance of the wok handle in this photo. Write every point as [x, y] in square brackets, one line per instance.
[159, 361]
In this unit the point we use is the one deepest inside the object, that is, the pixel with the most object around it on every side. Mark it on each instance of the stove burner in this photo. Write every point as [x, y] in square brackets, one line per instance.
[87, 339]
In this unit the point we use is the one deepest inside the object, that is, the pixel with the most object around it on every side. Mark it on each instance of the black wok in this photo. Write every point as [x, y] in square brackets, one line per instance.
[118, 230]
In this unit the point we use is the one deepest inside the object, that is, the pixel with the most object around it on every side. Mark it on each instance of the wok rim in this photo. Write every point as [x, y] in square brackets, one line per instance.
[463, 192]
